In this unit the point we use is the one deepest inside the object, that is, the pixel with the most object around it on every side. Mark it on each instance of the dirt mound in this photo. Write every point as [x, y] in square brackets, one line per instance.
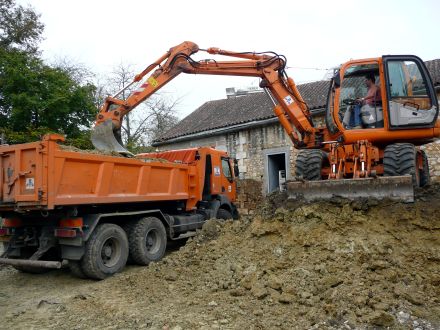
[343, 264]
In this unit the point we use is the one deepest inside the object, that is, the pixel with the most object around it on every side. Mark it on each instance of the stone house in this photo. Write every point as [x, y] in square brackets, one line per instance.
[244, 125]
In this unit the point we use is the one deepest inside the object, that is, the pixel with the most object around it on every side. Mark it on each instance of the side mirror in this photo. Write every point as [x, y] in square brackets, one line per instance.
[336, 80]
[236, 170]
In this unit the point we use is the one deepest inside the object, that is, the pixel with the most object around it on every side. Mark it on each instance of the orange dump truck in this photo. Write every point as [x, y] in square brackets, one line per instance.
[92, 212]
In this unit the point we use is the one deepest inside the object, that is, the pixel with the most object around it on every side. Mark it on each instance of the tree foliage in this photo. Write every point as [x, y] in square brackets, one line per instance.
[151, 118]
[20, 27]
[35, 97]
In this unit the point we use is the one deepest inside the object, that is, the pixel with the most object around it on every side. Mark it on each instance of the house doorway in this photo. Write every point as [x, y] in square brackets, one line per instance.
[276, 171]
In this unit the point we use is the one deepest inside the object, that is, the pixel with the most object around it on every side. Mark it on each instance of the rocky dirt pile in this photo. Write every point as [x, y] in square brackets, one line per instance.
[340, 265]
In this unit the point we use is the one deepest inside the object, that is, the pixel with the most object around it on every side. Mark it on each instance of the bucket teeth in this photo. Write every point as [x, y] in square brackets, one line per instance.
[398, 188]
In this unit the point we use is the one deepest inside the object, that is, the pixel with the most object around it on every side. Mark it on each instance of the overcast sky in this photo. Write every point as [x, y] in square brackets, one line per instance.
[311, 34]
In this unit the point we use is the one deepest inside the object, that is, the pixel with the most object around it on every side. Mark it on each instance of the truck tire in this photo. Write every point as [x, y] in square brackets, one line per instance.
[223, 214]
[106, 251]
[147, 240]
[425, 178]
[76, 269]
[309, 164]
[401, 159]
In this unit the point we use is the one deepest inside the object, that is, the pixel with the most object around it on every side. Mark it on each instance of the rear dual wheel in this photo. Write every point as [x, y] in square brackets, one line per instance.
[147, 240]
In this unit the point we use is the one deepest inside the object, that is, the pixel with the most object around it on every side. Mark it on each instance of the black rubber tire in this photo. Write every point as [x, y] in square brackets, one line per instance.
[128, 228]
[401, 159]
[309, 164]
[76, 269]
[223, 214]
[425, 177]
[106, 252]
[147, 240]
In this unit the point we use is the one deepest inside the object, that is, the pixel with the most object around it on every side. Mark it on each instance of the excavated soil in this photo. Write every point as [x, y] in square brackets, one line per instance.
[338, 265]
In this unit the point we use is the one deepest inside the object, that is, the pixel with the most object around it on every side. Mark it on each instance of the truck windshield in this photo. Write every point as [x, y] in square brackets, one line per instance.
[226, 168]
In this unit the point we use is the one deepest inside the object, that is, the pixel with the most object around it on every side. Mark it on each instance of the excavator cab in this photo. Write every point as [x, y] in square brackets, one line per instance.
[405, 99]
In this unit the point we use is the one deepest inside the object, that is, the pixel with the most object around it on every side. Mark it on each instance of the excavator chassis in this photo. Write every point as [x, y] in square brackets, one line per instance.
[398, 188]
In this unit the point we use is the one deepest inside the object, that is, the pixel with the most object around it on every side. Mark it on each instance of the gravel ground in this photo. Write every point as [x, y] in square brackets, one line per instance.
[339, 265]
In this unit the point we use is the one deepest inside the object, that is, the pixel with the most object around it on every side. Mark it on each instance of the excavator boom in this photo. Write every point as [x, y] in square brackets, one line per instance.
[289, 106]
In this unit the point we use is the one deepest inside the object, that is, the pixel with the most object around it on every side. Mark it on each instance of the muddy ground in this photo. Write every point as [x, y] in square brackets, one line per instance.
[339, 265]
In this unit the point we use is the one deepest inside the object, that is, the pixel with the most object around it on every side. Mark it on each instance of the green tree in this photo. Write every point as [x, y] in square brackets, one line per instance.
[36, 98]
[34, 95]
[20, 27]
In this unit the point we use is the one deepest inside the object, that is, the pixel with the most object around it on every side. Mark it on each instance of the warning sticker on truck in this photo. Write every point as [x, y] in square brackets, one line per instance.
[216, 171]
[29, 184]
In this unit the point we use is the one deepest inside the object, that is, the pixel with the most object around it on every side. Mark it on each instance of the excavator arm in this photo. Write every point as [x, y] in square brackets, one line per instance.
[289, 106]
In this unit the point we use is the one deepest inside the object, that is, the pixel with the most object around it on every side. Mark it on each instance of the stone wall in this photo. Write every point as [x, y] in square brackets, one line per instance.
[433, 152]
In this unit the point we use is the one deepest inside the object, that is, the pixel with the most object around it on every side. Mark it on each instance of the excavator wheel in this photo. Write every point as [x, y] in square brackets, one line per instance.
[309, 164]
[401, 159]
[425, 178]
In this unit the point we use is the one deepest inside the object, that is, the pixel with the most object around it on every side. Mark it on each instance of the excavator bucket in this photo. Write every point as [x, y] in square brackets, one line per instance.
[104, 139]
[392, 187]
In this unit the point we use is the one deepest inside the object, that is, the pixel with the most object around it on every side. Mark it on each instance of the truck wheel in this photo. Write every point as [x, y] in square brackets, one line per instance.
[309, 164]
[425, 178]
[401, 159]
[76, 269]
[147, 240]
[106, 251]
[223, 214]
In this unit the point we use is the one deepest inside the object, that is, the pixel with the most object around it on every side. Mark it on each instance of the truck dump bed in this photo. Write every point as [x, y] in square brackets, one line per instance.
[41, 175]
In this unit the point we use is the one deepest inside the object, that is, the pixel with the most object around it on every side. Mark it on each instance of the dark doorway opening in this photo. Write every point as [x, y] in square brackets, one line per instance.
[276, 169]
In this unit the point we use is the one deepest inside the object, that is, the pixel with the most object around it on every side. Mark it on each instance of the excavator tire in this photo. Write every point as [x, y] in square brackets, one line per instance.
[401, 159]
[425, 178]
[147, 240]
[309, 164]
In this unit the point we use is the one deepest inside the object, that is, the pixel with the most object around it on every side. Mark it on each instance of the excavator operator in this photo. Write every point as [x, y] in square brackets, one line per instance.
[371, 99]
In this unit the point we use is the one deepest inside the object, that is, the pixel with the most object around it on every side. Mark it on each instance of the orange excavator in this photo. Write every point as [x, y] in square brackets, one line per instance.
[366, 148]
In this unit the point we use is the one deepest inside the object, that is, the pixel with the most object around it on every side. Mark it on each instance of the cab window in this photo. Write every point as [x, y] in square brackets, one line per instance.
[360, 105]
[409, 101]
[226, 168]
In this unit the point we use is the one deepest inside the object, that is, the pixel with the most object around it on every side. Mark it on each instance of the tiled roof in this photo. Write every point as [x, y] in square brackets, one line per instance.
[253, 107]
[239, 110]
